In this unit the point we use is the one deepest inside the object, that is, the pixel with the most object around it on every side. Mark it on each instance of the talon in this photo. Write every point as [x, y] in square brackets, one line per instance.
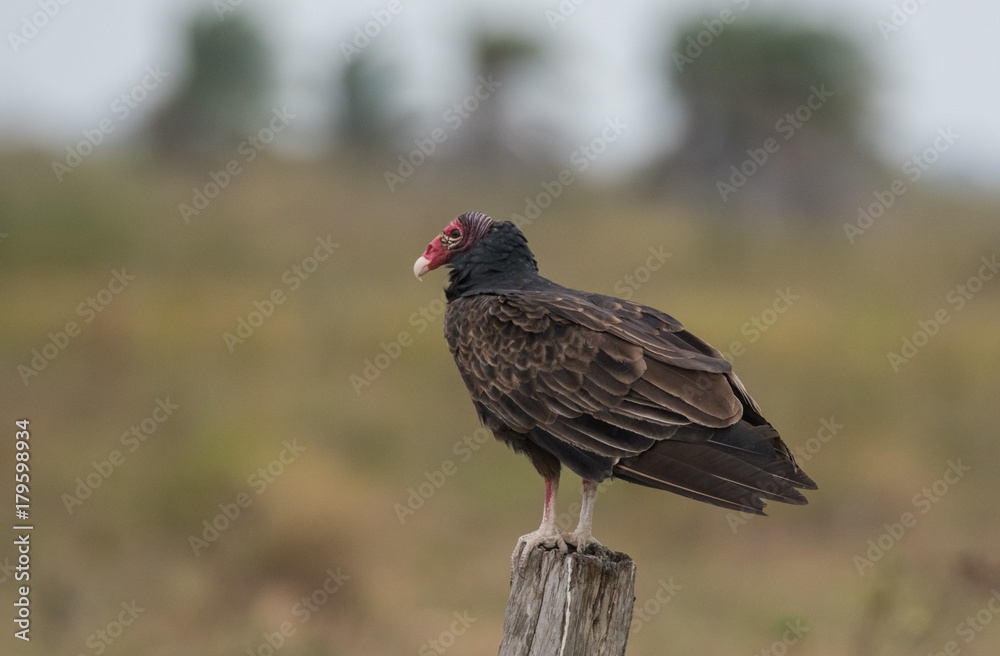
[526, 543]
[547, 534]
[581, 540]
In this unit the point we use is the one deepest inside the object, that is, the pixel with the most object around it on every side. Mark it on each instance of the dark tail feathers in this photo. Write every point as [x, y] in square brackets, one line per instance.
[738, 467]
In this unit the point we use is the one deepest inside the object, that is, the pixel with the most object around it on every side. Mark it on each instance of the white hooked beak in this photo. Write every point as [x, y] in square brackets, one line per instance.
[421, 266]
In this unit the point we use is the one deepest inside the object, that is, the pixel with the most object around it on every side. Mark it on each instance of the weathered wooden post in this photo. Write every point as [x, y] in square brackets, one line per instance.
[570, 604]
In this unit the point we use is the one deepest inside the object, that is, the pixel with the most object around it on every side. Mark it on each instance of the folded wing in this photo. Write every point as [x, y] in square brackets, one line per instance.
[614, 388]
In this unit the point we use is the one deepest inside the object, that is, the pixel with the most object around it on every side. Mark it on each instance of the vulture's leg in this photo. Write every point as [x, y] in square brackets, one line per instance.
[548, 534]
[582, 537]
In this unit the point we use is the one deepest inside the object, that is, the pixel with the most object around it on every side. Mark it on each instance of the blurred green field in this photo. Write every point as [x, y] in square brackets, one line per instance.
[335, 507]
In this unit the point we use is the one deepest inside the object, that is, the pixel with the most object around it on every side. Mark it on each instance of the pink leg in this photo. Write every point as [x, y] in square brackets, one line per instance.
[583, 537]
[549, 511]
[547, 534]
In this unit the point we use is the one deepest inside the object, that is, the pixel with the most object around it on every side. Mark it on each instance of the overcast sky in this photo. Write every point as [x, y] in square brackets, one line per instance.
[940, 69]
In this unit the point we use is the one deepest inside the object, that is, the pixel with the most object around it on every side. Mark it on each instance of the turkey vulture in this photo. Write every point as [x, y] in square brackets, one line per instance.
[604, 386]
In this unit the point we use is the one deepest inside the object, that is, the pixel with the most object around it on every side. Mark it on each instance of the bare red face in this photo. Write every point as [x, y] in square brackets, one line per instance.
[445, 246]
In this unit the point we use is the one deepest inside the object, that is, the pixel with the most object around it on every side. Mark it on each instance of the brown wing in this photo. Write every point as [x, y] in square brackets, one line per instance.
[595, 381]
[537, 360]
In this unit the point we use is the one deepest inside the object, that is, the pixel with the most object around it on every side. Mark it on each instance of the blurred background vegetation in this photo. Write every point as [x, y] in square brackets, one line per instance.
[265, 340]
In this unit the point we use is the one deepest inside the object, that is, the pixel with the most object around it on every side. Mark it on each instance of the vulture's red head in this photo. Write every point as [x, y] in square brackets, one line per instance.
[459, 236]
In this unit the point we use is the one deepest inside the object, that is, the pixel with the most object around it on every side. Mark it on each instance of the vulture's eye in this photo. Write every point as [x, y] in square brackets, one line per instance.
[450, 238]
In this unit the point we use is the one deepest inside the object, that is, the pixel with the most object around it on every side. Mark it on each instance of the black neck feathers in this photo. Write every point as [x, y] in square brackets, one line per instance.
[499, 260]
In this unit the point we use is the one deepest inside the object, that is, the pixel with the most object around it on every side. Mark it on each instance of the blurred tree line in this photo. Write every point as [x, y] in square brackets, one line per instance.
[775, 114]
[224, 94]
[776, 117]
